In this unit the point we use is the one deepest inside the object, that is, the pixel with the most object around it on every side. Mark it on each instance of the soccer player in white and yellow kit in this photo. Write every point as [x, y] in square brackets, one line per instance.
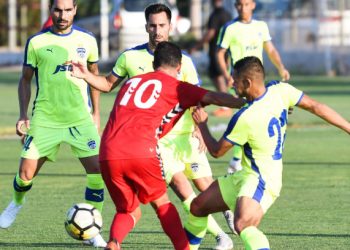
[61, 109]
[179, 148]
[245, 36]
[259, 127]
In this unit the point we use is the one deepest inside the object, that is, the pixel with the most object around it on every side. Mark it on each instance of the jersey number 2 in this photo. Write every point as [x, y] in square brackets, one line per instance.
[277, 124]
[133, 83]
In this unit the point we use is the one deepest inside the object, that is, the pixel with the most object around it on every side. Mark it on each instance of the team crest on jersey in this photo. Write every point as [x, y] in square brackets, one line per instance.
[194, 167]
[91, 144]
[81, 52]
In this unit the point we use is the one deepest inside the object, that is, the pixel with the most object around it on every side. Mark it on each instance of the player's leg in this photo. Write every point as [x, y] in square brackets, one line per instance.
[22, 183]
[94, 192]
[208, 202]
[250, 199]
[199, 171]
[148, 180]
[40, 144]
[248, 216]
[170, 221]
[84, 141]
[124, 198]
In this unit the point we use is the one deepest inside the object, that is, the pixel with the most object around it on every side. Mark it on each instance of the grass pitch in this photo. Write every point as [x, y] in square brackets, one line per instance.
[312, 212]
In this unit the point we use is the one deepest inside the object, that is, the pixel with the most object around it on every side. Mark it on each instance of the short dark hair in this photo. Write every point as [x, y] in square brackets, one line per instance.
[74, 2]
[157, 8]
[167, 53]
[250, 63]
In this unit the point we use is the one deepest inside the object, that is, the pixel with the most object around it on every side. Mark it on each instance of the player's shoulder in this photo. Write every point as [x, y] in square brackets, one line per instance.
[231, 24]
[275, 84]
[39, 35]
[139, 49]
[258, 22]
[186, 58]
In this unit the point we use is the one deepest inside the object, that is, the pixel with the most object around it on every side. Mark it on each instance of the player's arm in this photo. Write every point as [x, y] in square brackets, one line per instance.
[222, 99]
[24, 93]
[102, 83]
[215, 148]
[275, 58]
[325, 112]
[223, 65]
[95, 96]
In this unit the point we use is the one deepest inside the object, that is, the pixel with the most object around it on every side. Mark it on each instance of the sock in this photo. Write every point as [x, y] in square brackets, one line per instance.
[94, 193]
[20, 189]
[171, 224]
[213, 226]
[254, 239]
[186, 204]
[122, 224]
[196, 228]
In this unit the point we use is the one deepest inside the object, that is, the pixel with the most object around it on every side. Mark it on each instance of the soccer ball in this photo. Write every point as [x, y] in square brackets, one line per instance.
[83, 221]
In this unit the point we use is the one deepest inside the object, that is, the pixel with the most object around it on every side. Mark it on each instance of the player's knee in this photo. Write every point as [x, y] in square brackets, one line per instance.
[26, 175]
[136, 214]
[197, 208]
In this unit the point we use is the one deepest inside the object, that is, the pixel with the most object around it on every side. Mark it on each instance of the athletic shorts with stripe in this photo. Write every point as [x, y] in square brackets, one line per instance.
[45, 142]
[180, 153]
[246, 184]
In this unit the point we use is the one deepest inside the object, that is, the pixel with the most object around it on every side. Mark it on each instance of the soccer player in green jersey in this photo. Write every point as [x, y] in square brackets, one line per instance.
[245, 36]
[179, 148]
[61, 109]
[259, 127]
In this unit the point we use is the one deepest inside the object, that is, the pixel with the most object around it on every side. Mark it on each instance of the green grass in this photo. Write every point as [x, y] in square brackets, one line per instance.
[312, 212]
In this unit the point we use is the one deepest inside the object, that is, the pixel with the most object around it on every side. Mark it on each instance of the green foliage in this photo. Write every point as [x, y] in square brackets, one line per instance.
[312, 212]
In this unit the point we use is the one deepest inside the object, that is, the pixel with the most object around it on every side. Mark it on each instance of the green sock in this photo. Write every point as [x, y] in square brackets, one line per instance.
[94, 193]
[20, 189]
[186, 204]
[254, 239]
[196, 228]
[213, 226]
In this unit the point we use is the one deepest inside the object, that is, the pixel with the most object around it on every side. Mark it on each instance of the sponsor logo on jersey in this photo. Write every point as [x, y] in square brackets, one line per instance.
[91, 144]
[194, 167]
[81, 52]
[63, 67]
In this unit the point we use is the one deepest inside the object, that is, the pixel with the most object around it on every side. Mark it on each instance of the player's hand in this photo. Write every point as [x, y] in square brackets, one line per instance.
[199, 115]
[197, 134]
[22, 126]
[284, 74]
[79, 70]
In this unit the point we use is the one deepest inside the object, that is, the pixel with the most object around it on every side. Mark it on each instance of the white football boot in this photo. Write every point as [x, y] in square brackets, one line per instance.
[223, 242]
[229, 217]
[97, 241]
[8, 216]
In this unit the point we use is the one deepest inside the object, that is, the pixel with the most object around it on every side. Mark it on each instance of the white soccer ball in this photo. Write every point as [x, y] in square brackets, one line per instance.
[83, 221]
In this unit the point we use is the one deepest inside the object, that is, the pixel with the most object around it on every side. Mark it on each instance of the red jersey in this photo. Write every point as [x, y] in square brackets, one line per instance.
[146, 108]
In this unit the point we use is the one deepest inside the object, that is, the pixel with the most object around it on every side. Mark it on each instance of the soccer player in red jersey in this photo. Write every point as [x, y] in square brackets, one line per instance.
[146, 108]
